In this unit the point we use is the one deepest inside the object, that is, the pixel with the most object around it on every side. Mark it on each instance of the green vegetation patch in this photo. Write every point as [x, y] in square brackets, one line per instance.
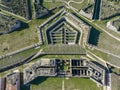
[100, 54]
[45, 83]
[50, 5]
[107, 57]
[80, 84]
[50, 83]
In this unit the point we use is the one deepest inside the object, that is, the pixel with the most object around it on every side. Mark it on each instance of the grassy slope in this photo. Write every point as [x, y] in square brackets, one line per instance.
[17, 57]
[108, 43]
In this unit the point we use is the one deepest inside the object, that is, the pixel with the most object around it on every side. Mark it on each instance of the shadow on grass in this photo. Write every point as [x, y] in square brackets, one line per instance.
[114, 70]
[98, 64]
[119, 29]
[47, 16]
[25, 87]
[23, 26]
[94, 36]
[30, 10]
[38, 80]
[40, 56]
[78, 37]
[41, 2]
[112, 16]
[96, 12]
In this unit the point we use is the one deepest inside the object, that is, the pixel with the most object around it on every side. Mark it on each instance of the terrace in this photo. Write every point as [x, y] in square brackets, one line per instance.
[65, 68]
[63, 28]
[79, 68]
[62, 33]
[84, 68]
[43, 67]
[97, 73]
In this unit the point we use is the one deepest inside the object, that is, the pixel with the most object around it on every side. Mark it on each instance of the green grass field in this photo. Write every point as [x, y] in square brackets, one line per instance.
[100, 54]
[50, 5]
[45, 83]
[80, 84]
[64, 49]
[69, 84]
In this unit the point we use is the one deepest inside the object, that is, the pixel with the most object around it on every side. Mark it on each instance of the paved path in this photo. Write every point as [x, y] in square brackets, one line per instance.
[76, 1]
[39, 53]
[63, 85]
[97, 57]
